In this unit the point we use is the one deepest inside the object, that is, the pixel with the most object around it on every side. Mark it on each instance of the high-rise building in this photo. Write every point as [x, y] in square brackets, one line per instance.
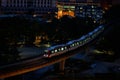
[24, 6]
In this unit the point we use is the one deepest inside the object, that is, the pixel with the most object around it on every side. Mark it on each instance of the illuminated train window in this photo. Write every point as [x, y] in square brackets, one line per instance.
[56, 50]
[62, 49]
[46, 50]
[52, 51]
[73, 44]
[59, 49]
[65, 47]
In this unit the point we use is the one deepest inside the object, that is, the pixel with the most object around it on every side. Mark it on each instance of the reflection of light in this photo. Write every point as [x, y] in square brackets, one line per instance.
[106, 8]
[94, 21]
[81, 8]
[48, 12]
[48, 21]
[69, 10]
[103, 11]
[34, 15]
[92, 6]
[65, 10]
[59, 13]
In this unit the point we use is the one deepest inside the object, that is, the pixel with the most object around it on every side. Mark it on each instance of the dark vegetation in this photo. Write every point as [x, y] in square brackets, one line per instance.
[18, 29]
[26, 28]
[111, 40]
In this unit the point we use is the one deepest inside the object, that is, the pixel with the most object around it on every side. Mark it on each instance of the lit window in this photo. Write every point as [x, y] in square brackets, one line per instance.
[59, 49]
[52, 51]
[72, 44]
[46, 51]
[56, 50]
[93, 10]
[92, 6]
[65, 47]
[81, 8]
[62, 49]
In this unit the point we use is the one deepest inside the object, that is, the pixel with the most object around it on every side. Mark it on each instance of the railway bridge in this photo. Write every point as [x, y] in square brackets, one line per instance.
[40, 62]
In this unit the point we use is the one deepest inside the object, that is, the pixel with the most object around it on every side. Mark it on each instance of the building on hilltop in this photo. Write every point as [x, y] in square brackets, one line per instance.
[81, 8]
[28, 6]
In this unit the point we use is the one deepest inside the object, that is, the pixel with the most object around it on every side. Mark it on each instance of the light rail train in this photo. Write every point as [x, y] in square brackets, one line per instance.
[73, 44]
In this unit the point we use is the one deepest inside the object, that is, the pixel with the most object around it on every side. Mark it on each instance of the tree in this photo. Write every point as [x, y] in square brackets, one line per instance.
[112, 14]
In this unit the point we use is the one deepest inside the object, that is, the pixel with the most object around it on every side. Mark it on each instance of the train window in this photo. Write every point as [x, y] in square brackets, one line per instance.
[52, 51]
[72, 44]
[56, 50]
[62, 49]
[59, 49]
[46, 51]
[65, 47]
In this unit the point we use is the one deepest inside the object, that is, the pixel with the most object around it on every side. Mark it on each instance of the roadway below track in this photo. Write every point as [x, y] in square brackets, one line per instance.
[39, 62]
[33, 64]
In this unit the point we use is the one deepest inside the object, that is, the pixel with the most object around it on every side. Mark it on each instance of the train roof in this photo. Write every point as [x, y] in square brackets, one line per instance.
[81, 38]
[96, 30]
[53, 47]
[70, 42]
[100, 26]
[90, 33]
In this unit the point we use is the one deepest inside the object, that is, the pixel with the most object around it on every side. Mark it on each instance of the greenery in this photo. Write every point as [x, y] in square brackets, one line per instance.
[110, 42]
[26, 28]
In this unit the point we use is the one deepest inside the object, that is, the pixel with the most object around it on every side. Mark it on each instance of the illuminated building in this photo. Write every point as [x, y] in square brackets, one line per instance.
[82, 8]
[24, 6]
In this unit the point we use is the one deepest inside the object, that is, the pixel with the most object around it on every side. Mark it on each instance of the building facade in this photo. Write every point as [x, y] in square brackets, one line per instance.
[30, 6]
[82, 8]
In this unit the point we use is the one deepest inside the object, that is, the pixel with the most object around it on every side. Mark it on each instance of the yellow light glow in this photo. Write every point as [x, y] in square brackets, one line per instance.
[62, 13]
[59, 14]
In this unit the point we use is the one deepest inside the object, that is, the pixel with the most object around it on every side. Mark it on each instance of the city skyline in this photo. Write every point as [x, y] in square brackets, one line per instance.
[43, 7]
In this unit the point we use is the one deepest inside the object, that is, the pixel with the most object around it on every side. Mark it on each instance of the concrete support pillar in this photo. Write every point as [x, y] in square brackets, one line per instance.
[62, 65]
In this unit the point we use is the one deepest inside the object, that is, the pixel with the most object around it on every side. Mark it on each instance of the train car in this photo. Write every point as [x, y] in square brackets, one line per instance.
[101, 28]
[55, 50]
[72, 45]
[82, 40]
[98, 30]
[95, 32]
[88, 38]
[90, 34]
